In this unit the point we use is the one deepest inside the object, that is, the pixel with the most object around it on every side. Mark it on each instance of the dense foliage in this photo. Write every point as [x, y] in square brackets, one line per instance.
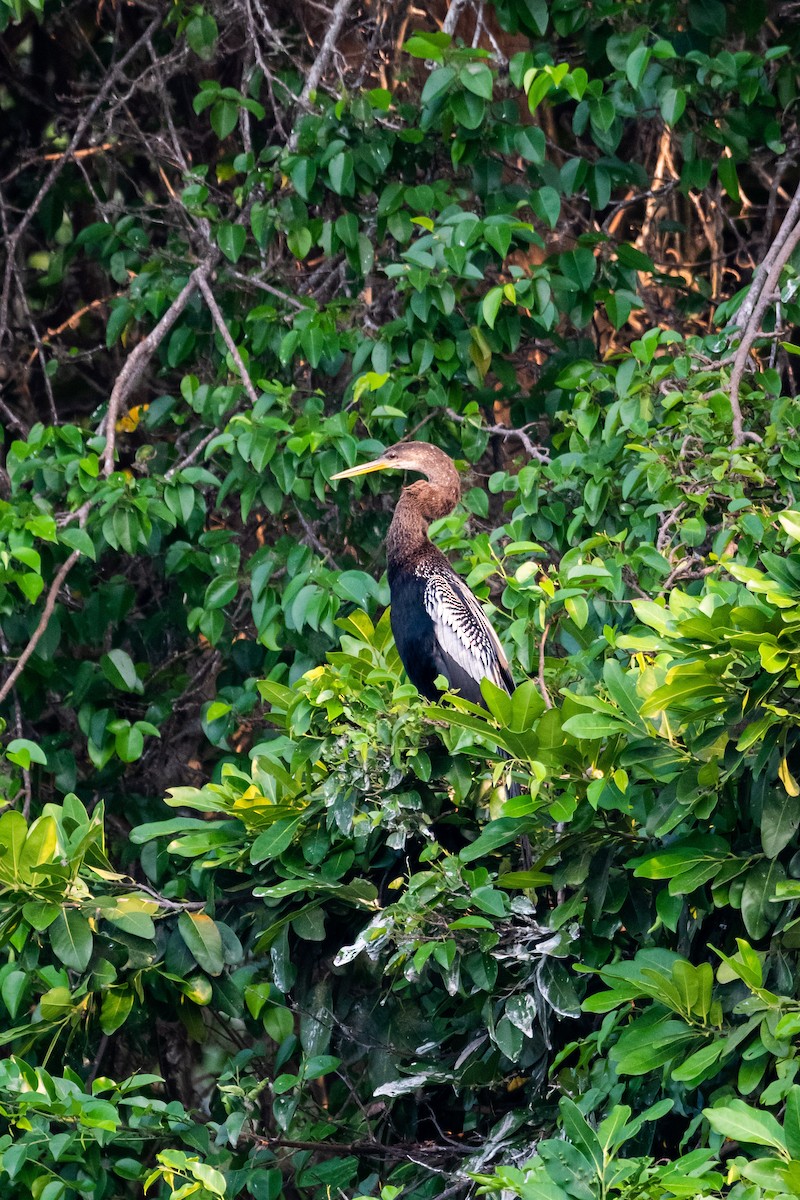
[268, 925]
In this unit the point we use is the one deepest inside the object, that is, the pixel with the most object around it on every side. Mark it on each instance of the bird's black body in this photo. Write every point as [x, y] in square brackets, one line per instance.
[438, 625]
[429, 583]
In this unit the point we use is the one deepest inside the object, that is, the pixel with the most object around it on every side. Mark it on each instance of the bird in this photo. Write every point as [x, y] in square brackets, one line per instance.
[438, 624]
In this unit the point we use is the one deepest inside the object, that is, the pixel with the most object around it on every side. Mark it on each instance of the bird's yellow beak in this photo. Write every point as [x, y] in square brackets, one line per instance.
[378, 464]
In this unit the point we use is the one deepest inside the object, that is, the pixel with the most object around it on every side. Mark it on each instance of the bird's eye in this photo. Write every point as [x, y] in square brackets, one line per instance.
[391, 454]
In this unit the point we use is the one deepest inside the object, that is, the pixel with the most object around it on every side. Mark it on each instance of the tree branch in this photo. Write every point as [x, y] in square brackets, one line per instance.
[338, 14]
[538, 453]
[44, 620]
[761, 295]
[453, 13]
[548, 703]
[219, 321]
[140, 357]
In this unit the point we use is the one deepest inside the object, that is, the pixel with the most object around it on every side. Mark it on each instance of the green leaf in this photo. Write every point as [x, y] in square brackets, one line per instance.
[303, 175]
[220, 592]
[790, 520]
[341, 173]
[78, 539]
[203, 940]
[71, 939]
[231, 240]
[477, 78]
[119, 317]
[14, 989]
[23, 752]
[636, 65]
[299, 242]
[579, 267]
[780, 820]
[580, 1133]
[791, 1122]
[673, 105]
[742, 1123]
[437, 83]
[759, 908]
[115, 1009]
[202, 34]
[224, 115]
[496, 834]
[729, 178]
[211, 1179]
[491, 305]
[591, 726]
[118, 668]
[274, 840]
[546, 203]
[129, 744]
[427, 45]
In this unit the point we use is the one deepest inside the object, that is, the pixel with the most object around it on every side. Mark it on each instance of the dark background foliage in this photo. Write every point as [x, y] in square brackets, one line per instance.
[267, 929]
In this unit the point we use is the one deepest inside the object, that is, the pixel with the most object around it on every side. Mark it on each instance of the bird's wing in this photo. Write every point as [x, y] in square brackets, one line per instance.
[463, 631]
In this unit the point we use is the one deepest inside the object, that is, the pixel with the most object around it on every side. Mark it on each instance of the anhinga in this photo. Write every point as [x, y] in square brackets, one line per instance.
[438, 625]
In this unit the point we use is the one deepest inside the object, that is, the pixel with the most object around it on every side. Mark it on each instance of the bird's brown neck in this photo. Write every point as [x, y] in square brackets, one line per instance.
[418, 505]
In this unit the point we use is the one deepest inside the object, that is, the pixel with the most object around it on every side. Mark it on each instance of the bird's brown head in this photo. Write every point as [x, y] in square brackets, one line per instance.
[420, 500]
[427, 460]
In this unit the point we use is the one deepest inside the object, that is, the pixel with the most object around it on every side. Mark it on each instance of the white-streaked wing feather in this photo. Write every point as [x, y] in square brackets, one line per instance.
[462, 629]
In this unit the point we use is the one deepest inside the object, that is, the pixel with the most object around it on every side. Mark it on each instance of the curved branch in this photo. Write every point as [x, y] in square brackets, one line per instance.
[751, 330]
[44, 620]
[140, 357]
[761, 294]
[219, 321]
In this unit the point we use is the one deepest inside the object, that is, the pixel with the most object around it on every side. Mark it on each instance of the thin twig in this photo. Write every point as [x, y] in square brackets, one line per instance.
[170, 905]
[27, 790]
[669, 519]
[12, 419]
[314, 541]
[762, 271]
[538, 453]
[219, 321]
[686, 569]
[193, 454]
[268, 287]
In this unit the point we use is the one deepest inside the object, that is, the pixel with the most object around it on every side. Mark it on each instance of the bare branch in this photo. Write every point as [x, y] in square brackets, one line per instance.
[140, 357]
[548, 703]
[453, 13]
[44, 620]
[687, 568]
[665, 524]
[253, 281]
[193, 454]
[538, 453]
[787, 239]
[12, 419]
[338, 14]
[219, 321]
